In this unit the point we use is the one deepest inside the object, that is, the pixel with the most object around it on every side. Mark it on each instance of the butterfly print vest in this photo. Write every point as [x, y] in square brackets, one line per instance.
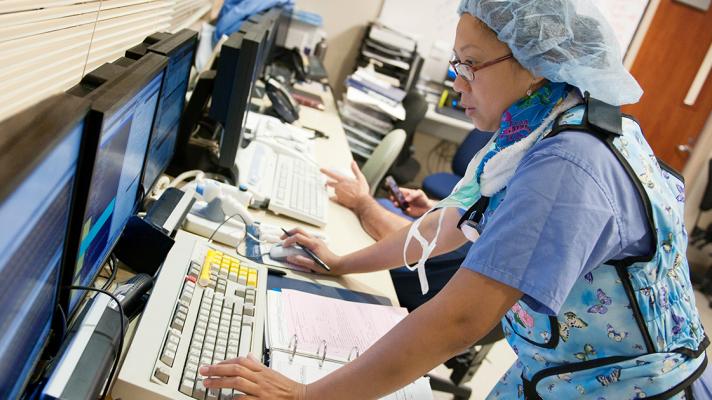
[628, 329]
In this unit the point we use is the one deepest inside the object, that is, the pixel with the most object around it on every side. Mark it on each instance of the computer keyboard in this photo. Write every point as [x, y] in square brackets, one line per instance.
[206, 307]
[294, 186]
[299, 191]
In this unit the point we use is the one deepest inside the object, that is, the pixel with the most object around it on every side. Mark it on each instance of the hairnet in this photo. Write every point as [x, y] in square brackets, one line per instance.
[563, 41]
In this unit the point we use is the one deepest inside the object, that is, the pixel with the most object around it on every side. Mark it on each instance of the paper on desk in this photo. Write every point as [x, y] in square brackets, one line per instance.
[307, 370]
[342, 324]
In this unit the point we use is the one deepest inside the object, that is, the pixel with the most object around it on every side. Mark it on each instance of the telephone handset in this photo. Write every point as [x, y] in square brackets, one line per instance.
[283, 103]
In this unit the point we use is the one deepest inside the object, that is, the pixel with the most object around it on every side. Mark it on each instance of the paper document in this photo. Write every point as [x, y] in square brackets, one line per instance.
[308, 371]
[342, 325]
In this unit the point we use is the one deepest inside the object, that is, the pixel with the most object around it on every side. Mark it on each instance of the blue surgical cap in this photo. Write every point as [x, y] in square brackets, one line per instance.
[563, 41]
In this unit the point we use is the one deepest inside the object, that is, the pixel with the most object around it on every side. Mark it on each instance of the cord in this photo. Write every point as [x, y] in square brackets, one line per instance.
[121, 338]
[196, 173]
[210, 239]
[113, 262]
[91, 40]
[237, 246]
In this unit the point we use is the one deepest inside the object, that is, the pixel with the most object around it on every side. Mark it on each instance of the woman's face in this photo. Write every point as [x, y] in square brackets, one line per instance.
[494, 88]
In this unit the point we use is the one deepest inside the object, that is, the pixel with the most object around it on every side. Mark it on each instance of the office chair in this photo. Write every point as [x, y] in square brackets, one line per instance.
[440, 184]
[382, 158]
[406, 167]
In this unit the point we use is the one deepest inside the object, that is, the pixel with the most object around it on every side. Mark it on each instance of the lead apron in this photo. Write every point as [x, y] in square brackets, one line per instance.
[629, 329]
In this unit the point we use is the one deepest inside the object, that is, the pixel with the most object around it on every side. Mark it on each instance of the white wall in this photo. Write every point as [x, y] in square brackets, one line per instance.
[345, 24]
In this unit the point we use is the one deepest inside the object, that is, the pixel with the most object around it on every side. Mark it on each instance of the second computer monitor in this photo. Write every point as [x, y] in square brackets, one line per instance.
[122, 116]
[179, 48]
[237, 67]
[39, 157]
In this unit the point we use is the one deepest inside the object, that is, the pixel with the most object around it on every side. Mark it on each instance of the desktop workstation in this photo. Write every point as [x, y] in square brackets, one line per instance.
[122, 122]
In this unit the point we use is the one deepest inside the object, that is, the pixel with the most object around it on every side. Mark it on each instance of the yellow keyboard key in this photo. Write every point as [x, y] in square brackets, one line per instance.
[204, 277]
[252, 278]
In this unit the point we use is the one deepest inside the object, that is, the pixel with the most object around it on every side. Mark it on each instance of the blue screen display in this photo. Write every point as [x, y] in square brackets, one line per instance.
[113, 192]
[35, 219]
[163, 141]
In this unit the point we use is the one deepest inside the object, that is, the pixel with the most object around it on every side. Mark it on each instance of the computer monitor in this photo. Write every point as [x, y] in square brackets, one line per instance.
[234, 80]
[269, 20]
[40, 150]
[122, 115]
[179, 48]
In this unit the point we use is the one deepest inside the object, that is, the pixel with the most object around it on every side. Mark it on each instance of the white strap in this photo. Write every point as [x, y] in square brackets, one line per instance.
[426, 248]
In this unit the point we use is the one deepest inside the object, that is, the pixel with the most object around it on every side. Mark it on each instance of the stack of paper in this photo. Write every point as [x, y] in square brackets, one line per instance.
[310, 336]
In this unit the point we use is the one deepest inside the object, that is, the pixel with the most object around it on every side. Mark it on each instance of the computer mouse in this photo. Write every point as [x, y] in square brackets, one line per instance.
[279, 252]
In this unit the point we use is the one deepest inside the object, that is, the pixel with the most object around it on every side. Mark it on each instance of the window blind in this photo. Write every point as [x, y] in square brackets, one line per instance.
[46, 46]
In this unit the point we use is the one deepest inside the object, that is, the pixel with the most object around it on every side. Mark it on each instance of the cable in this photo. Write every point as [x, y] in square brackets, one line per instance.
[237, 246]
[64, 320]
[121, 338]
[196, 173]
[91, 40]
[113, 262]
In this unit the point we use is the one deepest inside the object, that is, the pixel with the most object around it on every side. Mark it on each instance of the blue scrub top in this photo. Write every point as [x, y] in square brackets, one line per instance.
[569, 207]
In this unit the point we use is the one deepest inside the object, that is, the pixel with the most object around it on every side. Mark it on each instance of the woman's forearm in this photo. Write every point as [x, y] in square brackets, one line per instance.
[388, 252]
[377, 221]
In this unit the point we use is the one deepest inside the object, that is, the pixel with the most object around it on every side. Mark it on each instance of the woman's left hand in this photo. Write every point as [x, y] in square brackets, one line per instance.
[251, 377]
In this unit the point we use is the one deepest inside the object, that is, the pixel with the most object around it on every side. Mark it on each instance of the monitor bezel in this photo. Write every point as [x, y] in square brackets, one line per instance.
[168, 47]
[30, 136]
[251, 43]
[106, 100]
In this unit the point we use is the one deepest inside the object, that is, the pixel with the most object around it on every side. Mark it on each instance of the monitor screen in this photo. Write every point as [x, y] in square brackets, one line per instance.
[35, 217]
[171, 104]
[113, 191]
[234, 80]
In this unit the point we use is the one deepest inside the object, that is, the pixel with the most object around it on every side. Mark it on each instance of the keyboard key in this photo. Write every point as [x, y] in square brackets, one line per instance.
[249, 310]
[245, 339]
[162, 374]
[186, 386]
[213, 394]
[252, 278]
[199, 391]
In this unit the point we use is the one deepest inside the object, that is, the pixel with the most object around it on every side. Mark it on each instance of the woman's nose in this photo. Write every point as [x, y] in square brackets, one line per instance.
[461, 85]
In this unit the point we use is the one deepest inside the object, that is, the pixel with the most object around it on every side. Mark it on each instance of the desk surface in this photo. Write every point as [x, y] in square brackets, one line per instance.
[343, 229]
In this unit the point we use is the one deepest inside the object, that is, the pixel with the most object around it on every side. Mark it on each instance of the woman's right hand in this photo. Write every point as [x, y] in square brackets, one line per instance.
[318, 247]
[418, 202]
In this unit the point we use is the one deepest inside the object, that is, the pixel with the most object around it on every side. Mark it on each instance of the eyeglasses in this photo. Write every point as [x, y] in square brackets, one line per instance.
[467, 71]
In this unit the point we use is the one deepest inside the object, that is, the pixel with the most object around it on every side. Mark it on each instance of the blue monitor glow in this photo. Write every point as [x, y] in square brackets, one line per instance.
[122, 116]
[179, 48]
[39, 158]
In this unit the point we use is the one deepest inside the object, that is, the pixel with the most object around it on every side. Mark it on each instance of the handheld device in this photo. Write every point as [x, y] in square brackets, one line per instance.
[132, 294]
[395, 191]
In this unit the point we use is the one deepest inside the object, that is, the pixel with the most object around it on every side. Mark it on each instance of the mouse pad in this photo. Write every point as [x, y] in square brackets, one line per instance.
[280, 282]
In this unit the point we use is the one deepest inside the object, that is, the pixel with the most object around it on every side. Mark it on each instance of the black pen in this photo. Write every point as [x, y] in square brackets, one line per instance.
[310, 254]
